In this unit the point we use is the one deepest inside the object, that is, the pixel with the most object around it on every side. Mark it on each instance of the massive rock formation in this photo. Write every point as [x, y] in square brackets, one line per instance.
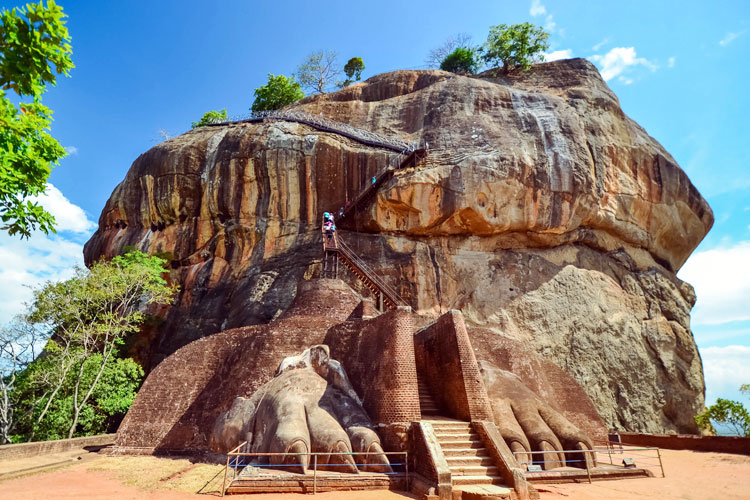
[542, 212]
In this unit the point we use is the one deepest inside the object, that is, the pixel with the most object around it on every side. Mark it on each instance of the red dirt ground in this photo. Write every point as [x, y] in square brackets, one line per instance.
[690, 476]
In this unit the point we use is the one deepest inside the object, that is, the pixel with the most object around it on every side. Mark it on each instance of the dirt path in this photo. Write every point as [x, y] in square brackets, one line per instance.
[690, 476]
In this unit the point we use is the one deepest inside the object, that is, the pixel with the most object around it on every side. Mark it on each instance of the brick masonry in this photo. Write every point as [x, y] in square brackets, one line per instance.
[378, 355]
[23, 450]
[717, 444]
[446, 363]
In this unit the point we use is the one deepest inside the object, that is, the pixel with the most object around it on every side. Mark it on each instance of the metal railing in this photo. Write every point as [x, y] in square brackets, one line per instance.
[236, 462]
[326, 125]
[386, 289]
[591, 456]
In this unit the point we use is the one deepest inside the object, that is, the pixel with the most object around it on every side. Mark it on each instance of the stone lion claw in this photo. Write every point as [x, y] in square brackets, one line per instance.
[308, 407]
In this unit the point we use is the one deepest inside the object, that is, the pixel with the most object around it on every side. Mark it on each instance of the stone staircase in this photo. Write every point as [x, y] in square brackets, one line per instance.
[427, 403]
[469, 461]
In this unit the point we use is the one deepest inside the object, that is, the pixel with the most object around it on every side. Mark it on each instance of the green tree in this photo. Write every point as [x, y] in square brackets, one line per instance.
[319, 71]
[113, 394]
[516, 46]
[730, 413]
[210, 117]
[88, 318]
[461, 60]
[280, 91]
[34, 49]
[437, 55]
[353, 70]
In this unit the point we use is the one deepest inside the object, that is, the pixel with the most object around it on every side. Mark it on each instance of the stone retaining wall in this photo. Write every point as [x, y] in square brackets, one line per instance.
[23, 450]
[718, 444]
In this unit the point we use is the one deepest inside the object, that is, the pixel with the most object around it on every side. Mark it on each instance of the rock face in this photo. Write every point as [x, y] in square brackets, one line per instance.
[542, 213]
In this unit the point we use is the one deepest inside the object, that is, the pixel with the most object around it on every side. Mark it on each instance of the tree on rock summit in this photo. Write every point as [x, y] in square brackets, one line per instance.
[515, 47]
[319, 71]
[210, 117]
[280, 91]
[461, 60]
[353, 70]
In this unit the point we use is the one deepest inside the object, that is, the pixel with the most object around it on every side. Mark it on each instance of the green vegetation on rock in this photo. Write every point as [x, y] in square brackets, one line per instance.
[353, 70]
[280, 91]
[210, 117]
[515, 47]
[461, 60]
[34, 49]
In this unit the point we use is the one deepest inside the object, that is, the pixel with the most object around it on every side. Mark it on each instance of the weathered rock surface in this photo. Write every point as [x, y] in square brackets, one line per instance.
[542, 212]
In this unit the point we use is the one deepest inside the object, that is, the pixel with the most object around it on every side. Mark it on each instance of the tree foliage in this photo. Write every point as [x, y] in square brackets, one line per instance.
[319, 71]
[34, 49]
[87, 319]
[280, 91]
[461, 60]
[353, 71]
[724, 411]
[111, 398]
[18, 345]
[437, 55]
[515, 47]
[210, 117]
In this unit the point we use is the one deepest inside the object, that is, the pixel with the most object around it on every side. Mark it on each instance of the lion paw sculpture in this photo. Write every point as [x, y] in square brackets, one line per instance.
[308, 407]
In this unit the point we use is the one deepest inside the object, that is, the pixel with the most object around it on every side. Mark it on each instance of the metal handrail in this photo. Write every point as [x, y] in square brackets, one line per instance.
[326, 125]
[236, 453]
[607, 450]
[384, 287]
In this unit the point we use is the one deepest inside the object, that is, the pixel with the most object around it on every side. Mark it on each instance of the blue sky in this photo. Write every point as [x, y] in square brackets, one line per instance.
[680, 69]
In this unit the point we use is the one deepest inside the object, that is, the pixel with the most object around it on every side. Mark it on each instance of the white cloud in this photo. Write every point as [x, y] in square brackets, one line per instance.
[537, 9]
[670, 62]
[600, 44]
[725, 369]
[72, 150]
[29, 263]
[550, 24]
[730, 37]
[69, 217]
[558, 54]
[626, 81]
[721, 278]
[619, 60]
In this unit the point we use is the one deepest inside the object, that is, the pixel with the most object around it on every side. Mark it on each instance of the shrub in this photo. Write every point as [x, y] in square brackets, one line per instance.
[461, 60]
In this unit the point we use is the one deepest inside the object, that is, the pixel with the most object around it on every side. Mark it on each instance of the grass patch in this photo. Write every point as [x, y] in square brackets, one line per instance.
[149, 473]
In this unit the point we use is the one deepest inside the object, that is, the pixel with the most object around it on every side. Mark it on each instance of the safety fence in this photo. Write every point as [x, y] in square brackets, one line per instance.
[368, 274]
[325, 125]
[606, 458]
[238, 461]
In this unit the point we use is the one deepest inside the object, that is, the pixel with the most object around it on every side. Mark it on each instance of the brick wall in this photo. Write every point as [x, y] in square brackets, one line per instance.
[378, 355]
[177, 406]
[446, 363]
[717, 444]
[22, 450]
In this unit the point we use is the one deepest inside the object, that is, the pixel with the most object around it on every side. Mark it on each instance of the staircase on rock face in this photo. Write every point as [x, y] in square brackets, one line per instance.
[469, 461]
[427, 403]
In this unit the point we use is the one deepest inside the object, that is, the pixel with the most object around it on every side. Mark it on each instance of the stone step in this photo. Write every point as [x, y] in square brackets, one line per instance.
[474, 470]
[465, 452]
[485, 492]
[471, 460]
[456, 435]
[459, 480]
[462, 443]
[441, 424]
